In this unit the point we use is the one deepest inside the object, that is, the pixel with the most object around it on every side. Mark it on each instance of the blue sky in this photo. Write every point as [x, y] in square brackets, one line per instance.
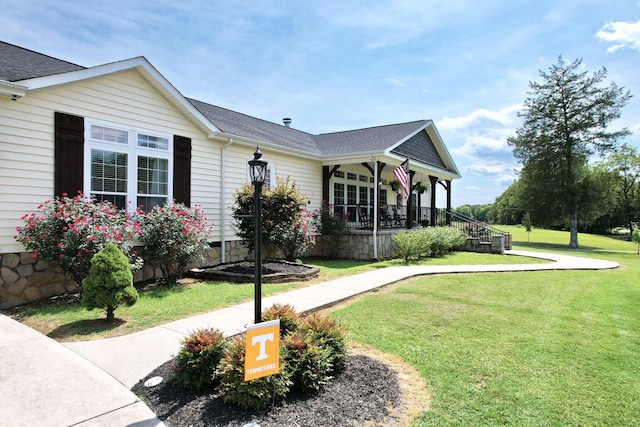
[337, 65]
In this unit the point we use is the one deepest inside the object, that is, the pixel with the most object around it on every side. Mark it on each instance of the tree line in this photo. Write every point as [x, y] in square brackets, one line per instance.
[576, 173]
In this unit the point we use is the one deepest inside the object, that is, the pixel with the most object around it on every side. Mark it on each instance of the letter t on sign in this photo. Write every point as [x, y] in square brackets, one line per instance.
[262, 355]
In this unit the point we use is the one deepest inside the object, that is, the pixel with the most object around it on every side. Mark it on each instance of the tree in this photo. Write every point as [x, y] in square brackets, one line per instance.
[566, 116]
[526, 222]
[110, 281]
[625, 163]
[507, 208]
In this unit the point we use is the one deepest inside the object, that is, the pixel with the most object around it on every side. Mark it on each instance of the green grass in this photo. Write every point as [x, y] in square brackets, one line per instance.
[533, 348]
[65, 320]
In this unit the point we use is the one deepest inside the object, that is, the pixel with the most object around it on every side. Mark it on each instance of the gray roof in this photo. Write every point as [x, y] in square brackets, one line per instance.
[17, 63]
[373, 139]
[245, 126]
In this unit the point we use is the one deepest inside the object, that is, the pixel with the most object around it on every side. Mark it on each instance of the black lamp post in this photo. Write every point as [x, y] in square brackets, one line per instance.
[258, 172]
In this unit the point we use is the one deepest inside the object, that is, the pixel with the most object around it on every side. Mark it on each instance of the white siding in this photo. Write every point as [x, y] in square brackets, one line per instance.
[27, 148]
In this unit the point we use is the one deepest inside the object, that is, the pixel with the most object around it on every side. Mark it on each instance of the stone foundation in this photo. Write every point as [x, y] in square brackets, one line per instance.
[356, 245]
[25, 279]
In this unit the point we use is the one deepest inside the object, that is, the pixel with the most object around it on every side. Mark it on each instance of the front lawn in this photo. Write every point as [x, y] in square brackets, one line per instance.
[65, 320]
[528, 349]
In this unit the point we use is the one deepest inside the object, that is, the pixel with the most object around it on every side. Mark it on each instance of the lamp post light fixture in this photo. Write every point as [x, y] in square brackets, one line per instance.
[258, 174]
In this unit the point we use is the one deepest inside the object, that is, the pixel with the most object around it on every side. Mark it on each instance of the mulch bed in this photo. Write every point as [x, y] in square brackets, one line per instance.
[273, 271]
[363, 394]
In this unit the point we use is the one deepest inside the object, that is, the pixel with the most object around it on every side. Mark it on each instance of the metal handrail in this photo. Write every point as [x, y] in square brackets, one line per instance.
[474, 228]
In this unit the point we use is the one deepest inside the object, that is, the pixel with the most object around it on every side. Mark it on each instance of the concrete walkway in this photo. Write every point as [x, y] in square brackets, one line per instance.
[43, 382]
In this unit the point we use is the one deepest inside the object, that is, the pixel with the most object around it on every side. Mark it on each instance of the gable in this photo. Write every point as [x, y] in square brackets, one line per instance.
[420, 147]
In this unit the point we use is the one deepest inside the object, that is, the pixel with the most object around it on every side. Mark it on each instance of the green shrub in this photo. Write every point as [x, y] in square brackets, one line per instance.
[409, 244]
[255, 394]
[173, 237]
[432, 241]
[444, 239]
[308, 360]
[287, 315]
[330, 333]
[198, 359]
[110, 281]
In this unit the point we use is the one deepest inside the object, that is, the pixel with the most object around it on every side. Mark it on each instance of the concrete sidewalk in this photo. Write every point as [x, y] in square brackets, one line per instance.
[43, 382]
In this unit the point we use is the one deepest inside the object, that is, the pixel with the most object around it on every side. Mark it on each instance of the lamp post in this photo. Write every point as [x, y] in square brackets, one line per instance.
[258, 173]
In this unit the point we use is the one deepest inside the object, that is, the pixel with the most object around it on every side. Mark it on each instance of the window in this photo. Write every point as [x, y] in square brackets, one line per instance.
[352, 176]
[338, 198]
[128, 165]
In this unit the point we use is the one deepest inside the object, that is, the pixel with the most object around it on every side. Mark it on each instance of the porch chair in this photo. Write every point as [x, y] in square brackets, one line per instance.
[363, 218]
[385, 218]
[398, 218]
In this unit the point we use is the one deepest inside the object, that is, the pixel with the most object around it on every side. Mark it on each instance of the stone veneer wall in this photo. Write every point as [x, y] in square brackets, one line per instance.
[25, 279]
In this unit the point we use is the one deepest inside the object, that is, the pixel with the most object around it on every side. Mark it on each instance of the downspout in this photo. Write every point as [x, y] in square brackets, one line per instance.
[223, 195]
[375, 208]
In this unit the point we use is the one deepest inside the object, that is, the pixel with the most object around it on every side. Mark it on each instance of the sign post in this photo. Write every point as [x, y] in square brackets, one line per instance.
[262, 355]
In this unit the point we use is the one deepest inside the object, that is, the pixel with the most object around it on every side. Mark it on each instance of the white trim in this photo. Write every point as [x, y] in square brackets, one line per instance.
[133, 151]
[151, 74]
[12, 90]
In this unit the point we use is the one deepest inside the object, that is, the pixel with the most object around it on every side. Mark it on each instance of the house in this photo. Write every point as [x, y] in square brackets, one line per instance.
[60, 123]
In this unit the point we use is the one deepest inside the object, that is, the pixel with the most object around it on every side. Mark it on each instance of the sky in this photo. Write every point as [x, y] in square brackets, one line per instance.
[337, 65]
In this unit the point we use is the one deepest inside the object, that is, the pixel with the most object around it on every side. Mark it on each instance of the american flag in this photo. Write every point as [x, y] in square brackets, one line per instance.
[402, 174]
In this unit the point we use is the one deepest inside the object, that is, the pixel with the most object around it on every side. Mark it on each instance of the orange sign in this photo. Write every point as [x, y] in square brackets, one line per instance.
[262, 355]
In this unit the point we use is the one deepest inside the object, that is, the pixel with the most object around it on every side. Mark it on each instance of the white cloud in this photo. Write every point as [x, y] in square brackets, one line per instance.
[505, 116]
[489, 167]
[622, 34]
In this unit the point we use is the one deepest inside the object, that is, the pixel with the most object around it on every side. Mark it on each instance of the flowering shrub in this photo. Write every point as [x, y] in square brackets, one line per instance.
[286, 225]
[173, 237]
[298, 238]
[330, 223]
[71, 230]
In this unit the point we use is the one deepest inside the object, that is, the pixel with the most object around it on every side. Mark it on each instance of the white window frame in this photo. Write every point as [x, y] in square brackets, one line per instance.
[133, 151]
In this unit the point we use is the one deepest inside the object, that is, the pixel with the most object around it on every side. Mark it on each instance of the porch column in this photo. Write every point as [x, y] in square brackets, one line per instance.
[434, 182]
[448, 203]
[376, 209]
[410, 201]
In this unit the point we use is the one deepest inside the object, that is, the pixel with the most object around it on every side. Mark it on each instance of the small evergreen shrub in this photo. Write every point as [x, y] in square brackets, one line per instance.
[308, 360]
[255, 394]
[288, 316]
[198, 359]
[110, 281]
[330, 333]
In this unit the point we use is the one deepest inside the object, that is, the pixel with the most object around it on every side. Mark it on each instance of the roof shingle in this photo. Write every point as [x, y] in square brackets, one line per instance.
[17, 63]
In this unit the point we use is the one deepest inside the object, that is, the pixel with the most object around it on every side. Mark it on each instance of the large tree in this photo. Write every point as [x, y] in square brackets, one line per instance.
[566, 118]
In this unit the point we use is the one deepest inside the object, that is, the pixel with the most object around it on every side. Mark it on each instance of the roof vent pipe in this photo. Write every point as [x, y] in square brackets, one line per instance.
[287, 122]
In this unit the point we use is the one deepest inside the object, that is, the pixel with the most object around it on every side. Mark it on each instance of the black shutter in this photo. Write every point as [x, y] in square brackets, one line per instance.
[68, 154]
[182, 170]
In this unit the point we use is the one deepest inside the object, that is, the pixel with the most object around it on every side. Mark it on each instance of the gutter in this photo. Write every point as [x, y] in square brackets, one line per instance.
[223, 211]
[12, 90]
